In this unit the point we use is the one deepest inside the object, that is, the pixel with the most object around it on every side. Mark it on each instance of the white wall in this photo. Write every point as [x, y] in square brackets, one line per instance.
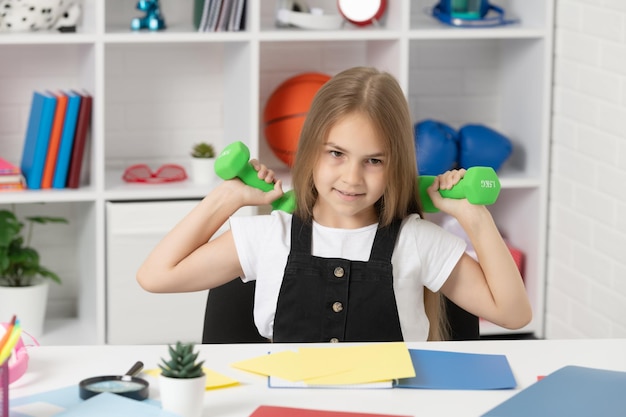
[587, 220]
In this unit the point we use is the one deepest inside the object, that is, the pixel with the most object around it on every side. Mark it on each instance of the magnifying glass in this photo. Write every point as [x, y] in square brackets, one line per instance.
[125, 385]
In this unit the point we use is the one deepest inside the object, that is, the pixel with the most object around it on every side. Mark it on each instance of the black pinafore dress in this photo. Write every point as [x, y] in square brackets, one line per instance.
[334, 299]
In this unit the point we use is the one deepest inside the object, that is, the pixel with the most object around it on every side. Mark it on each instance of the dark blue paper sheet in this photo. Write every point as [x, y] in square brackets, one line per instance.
[458, 371]
[571, 391]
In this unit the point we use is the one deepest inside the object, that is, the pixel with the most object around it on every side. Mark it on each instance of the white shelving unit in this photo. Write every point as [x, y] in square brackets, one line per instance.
[155, 94]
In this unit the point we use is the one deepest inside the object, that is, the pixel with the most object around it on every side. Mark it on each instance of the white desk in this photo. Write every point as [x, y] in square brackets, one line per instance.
[53, 367]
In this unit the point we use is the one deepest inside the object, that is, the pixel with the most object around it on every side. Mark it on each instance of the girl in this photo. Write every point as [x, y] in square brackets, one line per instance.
[356, 261]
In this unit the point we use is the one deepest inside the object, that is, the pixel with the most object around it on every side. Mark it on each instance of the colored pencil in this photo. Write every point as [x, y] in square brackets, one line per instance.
[13, 338]
[7, 333]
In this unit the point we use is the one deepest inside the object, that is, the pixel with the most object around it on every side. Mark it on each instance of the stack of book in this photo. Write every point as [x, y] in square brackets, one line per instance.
[58, 126]
[11, 178]
[220, 15]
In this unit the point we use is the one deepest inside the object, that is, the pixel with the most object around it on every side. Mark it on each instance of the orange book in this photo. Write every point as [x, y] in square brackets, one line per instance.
[55, 140]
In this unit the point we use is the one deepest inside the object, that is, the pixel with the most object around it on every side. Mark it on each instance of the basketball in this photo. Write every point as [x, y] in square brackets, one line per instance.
[286, 110]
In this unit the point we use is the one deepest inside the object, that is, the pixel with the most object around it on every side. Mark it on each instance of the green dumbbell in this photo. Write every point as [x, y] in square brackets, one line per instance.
[480, 185]
[234, 161]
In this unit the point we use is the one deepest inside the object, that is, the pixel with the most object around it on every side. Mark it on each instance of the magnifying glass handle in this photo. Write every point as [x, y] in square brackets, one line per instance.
[135, 369]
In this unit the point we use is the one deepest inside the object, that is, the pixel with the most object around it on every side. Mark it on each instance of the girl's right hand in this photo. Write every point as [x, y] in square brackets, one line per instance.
[251, 196]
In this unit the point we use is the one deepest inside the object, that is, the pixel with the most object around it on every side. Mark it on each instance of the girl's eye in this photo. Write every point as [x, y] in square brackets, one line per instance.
[335, 154]
[374, 161]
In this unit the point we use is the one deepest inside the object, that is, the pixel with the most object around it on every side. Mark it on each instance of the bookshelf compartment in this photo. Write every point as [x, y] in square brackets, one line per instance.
[28, 68]
[178, 15]
[282, 60]
[66, 249]
[485, 82]
[157, 108]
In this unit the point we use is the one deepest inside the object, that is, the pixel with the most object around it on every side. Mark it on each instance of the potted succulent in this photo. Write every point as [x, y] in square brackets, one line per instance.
[23, 280]
[203, 160]
[182, 381]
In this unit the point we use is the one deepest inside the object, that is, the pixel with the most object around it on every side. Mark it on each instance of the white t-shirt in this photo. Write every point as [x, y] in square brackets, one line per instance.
[424, 256]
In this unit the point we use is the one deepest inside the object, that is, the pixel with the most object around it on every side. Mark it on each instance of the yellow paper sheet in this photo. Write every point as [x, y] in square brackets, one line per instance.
[214, 380]
[368, 363]
[290, 365]
[335, 365]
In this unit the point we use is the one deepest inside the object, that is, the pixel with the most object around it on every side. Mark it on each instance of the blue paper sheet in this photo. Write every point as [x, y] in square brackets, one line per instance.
[108, 404]
[458, 371]
[571, 391]
[65, 399]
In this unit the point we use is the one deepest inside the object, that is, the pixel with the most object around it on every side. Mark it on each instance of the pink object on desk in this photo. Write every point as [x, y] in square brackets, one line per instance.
[17, 363]
[4, 389]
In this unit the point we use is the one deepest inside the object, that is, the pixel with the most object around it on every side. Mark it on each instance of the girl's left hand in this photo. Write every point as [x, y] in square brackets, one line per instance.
[446, 181]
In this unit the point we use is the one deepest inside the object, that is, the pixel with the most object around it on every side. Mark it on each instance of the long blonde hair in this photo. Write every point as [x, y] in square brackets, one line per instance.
[378, 96]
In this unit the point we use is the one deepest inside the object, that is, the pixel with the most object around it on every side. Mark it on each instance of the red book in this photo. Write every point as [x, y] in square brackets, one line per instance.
[274, 411]
[55, 140]
[80, 138]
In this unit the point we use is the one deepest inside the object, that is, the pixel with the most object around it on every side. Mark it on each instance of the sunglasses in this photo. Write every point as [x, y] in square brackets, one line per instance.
[165, 173]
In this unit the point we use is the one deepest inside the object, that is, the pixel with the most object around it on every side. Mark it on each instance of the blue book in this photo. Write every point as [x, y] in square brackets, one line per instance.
[67, 140]
[42, 109]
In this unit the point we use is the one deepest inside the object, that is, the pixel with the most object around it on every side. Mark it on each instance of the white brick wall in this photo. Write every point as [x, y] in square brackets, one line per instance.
[586, 275]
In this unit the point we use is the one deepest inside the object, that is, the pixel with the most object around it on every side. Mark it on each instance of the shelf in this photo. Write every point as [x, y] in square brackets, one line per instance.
[118, 190]
[157, 93]
[83, 194]
[174, 36]
[47, 38]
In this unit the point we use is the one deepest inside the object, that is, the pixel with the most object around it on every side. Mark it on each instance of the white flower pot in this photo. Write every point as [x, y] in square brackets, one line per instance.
[203, 170]
[183, 396]
[28, 304]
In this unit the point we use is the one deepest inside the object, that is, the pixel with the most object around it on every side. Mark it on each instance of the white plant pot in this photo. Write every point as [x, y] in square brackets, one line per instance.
[183, 396]
[203, 170]
[28, 304]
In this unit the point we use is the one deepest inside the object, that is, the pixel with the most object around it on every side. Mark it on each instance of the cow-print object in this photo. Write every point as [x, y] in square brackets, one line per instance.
[35, 15]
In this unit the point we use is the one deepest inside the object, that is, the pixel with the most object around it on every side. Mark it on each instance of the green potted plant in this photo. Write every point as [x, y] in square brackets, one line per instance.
[203, 160]
[182, 381]
[203, 150]
[23, 279]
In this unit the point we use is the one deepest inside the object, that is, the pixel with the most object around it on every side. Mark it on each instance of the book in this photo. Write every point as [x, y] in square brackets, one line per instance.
[9, 173]
[67, 140]
[11, 187]
[55, 140]
[80, 138]
[276, 411]
[276, 382]
[224, 16]
[43, 106]
[236, 17]
[7, 168]
[198, 7]
[570, 391]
